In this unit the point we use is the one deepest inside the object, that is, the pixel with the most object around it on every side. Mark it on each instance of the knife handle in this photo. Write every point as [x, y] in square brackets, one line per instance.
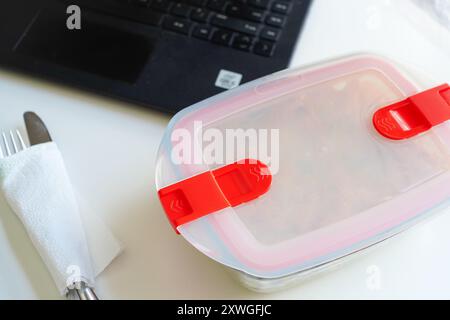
[82, 292]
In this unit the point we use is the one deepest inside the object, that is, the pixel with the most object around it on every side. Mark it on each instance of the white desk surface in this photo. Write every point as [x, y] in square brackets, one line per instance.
[110, 150]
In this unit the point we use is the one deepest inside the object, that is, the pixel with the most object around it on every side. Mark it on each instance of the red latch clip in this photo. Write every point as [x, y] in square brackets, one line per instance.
[215, 190]
[416, 114]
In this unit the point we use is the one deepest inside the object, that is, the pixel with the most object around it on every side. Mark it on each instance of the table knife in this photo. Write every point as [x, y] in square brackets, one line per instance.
[37, 134]
[36, 129]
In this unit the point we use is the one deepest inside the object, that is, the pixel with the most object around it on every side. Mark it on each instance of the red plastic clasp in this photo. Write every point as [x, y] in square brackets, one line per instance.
[215, 190]
[414, 115]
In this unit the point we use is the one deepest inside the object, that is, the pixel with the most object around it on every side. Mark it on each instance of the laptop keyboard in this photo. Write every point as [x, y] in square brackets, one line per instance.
[248, 25]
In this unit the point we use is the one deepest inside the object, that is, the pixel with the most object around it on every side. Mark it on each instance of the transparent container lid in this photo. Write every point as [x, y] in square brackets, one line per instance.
[338, 186]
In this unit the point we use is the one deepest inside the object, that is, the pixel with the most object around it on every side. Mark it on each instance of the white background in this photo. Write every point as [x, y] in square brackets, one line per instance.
[110, 148]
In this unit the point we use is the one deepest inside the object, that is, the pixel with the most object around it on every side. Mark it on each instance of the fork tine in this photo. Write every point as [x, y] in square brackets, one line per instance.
[5, 141]
[13, 141]
[22, 143]
[13, 146]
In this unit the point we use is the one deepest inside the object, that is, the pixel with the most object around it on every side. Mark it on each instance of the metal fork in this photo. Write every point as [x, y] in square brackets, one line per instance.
[12, 143]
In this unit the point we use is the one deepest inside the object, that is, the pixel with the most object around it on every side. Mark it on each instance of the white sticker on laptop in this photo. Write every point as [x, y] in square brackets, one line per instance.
[228, 79]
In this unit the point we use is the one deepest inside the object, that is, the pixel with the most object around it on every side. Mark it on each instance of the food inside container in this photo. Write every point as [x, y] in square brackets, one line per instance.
[356, 150]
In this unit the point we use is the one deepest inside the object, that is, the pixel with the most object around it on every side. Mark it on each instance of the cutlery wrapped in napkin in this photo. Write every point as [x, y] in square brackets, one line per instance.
[74, 245]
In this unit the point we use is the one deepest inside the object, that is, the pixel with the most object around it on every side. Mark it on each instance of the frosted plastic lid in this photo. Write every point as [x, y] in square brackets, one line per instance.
[338, 185]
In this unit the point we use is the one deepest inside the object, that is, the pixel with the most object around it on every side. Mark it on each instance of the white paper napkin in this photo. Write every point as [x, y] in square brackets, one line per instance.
[74, 244]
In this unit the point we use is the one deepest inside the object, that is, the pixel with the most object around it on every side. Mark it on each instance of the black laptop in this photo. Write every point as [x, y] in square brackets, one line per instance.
[165, 54]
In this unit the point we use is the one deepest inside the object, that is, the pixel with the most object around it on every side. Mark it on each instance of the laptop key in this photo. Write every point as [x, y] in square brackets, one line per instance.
[262, 4]
[270, 34]
[243, 42]
[203, 32]
[217, 5]
[178, 25]
[281, 7]
[200, 15]
[241, 26]
[245, 12]
[233, 10]
[161, 5]
[264, 48]
[275, 20]
[222, 37]
[181, 10]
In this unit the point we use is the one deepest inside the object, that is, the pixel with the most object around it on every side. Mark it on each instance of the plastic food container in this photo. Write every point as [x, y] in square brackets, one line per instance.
[361, 152]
